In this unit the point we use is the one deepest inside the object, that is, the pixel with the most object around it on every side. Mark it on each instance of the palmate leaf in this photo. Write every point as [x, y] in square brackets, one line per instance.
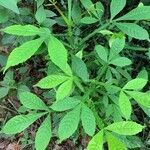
[89, 6]
[125, 128]
[99, 9]
[125, 105]
[139, 13]
[58, 54]
[64, 89]
[88, 120]
[3, 91]
[23, 53]
[4, 15]
[69, 123]
[105, 32]
[133, 30]
[114, 143]
[20, 123]
[79, 68]
[116, 6]
[131, 142]
[40, 15]
[39, 3]
[31, 101]
[43, 134]
[51, 81]
[102, 52]
[135, 84]
[96, 143]
[76, 12]
[65, 104]
[88, 20]
[10, 4]
[146, 110]
[143, 74]
[141, 98]
[121, 61]
[116, 47]
[22, 30]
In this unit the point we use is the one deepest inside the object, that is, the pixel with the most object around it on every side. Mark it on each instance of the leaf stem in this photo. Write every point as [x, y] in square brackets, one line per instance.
[136, 48]
[67, 21]
[69, 9]
[97, 82]
[94, 32]
[61, 13]
[13, 106]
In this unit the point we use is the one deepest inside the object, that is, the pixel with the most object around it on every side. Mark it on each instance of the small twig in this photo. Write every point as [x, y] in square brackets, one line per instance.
[4, 107]
[13, 105]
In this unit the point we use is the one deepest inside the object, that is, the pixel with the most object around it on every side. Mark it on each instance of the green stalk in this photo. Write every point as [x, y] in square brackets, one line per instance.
[136, 48]
[61, 13]
[94, 32]
[69, 9]
[104, 69]
[67, 21]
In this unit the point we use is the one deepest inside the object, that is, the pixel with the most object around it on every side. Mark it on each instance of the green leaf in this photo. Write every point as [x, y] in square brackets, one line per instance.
[116, 47]
[39, 2]
[133, 30]
[88, 120]
[44, 33]
[121, 61]
[131, 142]
[76, 12]
[40, 15]
[65, 104]
[105, 32]
[125, 105]
[69, 123]
[4, 15]
[99, 9]
[58, 54]
[139, 13]
[143, 74]
[10, 4]
[111, 89]
[79, 84]
[101, 51]
[80, 69]
[23, 53]
[146, 110]
[135, 84]
[88, 20]
[141, 98]
[9, 78]
[89, 6]
[22, 30]
[3, 91]
[114, 143]
[31, 101]
[125, 128]
[96, 143]
[51, 81]
[64, 89]
[20, 123]
[43, 135]
[116, 6]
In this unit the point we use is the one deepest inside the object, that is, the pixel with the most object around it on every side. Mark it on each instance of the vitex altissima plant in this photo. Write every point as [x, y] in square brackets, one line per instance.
[94, 89]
